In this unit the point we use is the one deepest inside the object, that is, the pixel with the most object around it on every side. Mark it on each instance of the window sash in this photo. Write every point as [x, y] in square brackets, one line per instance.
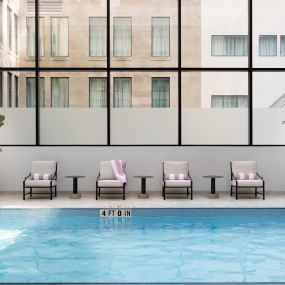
[9, 28]
[122, 93]
[97, 36]
[31, 92]
[229, 101]
[160, 92]
[268, 45]
[59, 36]
[282, 45]
[16, 90]
[9, 88]
[160, 36]
[16, 22]
[59, 92]
[229, 45]
[1, 21]
[98, 92]
[122, 36]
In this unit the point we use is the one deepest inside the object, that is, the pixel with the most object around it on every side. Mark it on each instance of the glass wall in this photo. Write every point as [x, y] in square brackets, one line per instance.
[214, 113]
[144, 108]
[18, 117]
[73, 108]
[143, 75]
[214, 33]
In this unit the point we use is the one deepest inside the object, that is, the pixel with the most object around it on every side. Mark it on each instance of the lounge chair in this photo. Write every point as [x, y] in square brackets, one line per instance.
[244, 175]
[107, 179]
[43, 175]
[176, 175]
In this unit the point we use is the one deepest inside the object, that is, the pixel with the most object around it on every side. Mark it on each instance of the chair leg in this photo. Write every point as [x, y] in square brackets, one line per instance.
[231, 190]
[55, 190]
[164, 194]
[255, 192]
[50, 195]
[24, 196]
[99, 192]
[124, 193]
[236, 193]
[263, 191]
[31, 189]
[187, 192]
[96, 193]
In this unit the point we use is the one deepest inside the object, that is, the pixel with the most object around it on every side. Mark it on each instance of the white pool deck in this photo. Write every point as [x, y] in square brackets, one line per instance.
[14, 200]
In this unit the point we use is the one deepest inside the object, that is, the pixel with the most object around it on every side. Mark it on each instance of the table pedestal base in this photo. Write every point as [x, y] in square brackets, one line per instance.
[143, 195]
[213, 196]
[75, 196]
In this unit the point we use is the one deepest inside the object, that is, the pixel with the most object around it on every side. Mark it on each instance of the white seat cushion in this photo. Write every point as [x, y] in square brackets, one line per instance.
[110, 183]
[177, 183]
[39, 183]
[248, 183]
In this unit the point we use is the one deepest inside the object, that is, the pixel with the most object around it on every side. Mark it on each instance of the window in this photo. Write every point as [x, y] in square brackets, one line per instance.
[1, 89]
[31, 37]
[9, 28]
[160, 36]
[9, 88]
[282, 45]
[98, 92]
[229, 46]
[59, 36]
[97, 36]
[229, 101]
[1, 21]
[122, 93]
[59, 92]
[160, 92]
[268, 45]
[31, 92]
[122, 36]
[16, 34]
[16, 90]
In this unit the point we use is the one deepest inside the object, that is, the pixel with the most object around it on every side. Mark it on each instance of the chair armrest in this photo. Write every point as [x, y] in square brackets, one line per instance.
[54, 177]
[258, 175]
[189, 176]
[98, 176]
[27, 176]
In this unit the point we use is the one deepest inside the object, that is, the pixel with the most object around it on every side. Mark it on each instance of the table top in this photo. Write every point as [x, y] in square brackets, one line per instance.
[143, 176]
[75, 176]
[213, 176]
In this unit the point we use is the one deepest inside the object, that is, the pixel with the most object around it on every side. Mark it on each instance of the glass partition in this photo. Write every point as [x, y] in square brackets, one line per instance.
[17, 117]
[268, 104]
[144, 108]
[214, 113]
[73, 109]
[214, 33]
[144, 33]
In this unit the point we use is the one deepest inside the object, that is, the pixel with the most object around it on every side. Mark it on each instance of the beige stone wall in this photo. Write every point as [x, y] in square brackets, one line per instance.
[191, 89]
[191, 33]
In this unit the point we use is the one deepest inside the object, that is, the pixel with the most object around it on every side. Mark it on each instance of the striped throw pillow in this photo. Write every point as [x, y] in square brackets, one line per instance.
[40, 176]
[180, 176]
[246, 176]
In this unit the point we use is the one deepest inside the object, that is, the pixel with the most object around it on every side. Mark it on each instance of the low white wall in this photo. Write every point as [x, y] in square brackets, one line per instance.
[15, 164]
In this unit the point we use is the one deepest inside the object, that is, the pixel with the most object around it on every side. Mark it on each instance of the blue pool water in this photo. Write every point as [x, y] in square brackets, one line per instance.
[152, 246]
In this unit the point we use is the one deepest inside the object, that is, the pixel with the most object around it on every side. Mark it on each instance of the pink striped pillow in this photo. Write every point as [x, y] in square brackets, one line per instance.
[180, 176]
[40, 176]
[246, 176]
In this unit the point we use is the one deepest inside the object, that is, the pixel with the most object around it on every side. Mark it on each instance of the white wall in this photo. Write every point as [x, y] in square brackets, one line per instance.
[15, 164]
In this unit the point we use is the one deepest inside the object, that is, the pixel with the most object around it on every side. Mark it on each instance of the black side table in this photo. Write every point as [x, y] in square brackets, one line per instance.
[213, 194]
[143, 194]
[75, 194]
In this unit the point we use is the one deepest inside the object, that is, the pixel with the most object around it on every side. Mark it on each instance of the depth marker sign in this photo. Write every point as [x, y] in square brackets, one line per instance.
[115, 213]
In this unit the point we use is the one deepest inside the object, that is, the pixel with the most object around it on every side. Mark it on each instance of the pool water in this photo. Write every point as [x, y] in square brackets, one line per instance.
[78, 246]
